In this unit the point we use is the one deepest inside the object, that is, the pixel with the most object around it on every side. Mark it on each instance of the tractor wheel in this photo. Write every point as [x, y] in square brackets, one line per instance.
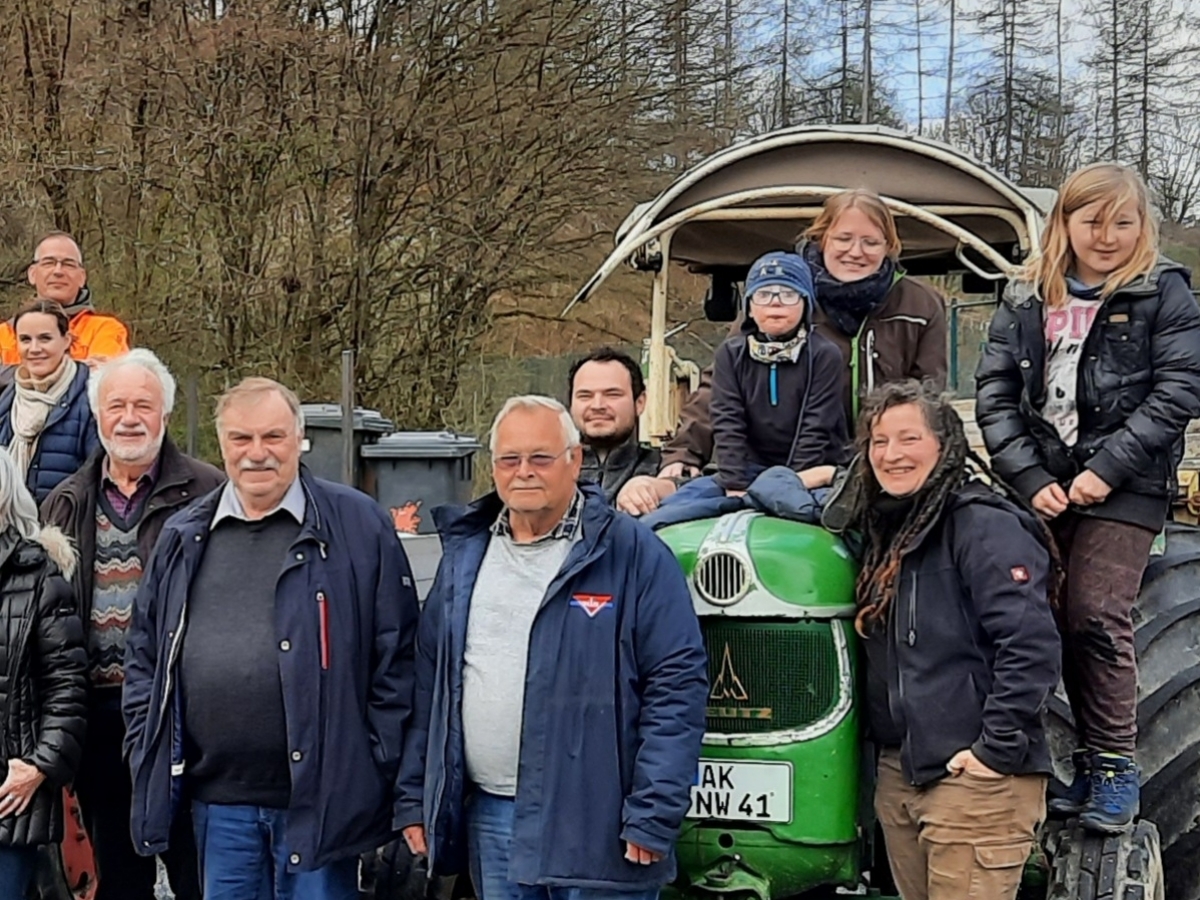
[1087, 866]
[1167, 622]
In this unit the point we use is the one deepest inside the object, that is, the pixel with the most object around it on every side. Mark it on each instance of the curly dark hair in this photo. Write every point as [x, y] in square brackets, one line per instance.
[957, 464]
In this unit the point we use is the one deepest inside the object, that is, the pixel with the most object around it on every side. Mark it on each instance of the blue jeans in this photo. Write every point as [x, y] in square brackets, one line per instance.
[489, 835]
[244, 856]
[16, 870]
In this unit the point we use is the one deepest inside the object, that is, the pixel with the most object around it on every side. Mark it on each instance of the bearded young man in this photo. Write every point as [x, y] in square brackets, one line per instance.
[113, 509]
[608, 394]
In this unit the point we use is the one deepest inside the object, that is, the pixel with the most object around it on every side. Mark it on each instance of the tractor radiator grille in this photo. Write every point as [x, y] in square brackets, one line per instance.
[769, 676]
[721, 578]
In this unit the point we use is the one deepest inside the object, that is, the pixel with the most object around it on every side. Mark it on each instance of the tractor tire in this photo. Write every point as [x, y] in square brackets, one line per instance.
[1167, 622]
[1087, 866]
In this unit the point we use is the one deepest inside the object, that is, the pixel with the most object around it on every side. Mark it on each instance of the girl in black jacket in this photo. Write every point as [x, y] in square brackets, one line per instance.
[42, 689]
[1089, 378]
[961, 647]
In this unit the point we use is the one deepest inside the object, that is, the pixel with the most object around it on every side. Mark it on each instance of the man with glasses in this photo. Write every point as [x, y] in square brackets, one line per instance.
[57, 274]
[561, 685]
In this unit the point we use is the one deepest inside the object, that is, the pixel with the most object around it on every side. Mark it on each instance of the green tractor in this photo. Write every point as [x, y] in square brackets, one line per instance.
[782, 801]
[781, 771]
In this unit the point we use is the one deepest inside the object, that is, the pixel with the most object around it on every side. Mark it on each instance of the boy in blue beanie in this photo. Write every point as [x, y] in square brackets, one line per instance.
[777, 386]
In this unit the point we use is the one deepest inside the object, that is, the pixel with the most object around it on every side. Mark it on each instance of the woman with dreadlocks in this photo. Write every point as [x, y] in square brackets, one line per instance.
[961, 647]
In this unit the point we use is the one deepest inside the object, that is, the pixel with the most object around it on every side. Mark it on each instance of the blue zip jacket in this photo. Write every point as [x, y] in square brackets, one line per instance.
[345, 618]
[614, 707]
[68, 437]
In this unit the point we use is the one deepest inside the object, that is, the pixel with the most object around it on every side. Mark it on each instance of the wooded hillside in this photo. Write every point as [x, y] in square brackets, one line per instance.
[259, 184]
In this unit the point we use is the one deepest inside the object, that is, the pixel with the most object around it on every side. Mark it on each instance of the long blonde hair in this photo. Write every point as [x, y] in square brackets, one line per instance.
[872, 207]
[1114, 186]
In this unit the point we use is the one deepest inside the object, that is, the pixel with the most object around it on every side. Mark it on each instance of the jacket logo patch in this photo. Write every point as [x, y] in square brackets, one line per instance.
[1020, 574]
[592, 603]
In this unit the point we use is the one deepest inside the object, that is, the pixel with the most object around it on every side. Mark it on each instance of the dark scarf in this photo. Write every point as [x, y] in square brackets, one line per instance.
[849, 303]
[83, 301]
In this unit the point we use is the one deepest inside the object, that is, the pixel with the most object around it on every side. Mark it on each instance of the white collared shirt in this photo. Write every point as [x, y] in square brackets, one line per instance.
[294, 502]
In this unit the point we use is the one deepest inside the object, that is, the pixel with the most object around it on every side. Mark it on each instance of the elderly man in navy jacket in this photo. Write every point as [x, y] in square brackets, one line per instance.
[269, 668]
[560, 685]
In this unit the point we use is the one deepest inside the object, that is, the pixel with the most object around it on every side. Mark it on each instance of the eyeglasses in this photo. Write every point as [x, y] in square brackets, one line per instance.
[49, 263]
[846, 241]
[763, 296]
[512, 461]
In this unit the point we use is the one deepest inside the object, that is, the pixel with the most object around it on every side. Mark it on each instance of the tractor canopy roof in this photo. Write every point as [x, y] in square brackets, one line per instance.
[952, 212]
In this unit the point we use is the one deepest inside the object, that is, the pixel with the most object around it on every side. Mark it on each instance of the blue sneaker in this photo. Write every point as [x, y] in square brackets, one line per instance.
[1116, 794]
[1075, 800]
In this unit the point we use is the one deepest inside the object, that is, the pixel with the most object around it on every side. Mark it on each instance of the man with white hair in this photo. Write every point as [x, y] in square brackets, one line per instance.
[269, 672]
[561, 685]
[113, 508]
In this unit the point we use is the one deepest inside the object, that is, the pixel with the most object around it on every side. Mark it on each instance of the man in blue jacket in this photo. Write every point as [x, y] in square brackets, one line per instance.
[269, 668]
[561, 685]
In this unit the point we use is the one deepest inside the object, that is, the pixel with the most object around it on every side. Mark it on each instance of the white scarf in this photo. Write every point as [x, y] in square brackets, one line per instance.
[34, 400]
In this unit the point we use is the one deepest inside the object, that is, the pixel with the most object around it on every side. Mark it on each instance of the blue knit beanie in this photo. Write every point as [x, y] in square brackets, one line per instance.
[786, 270]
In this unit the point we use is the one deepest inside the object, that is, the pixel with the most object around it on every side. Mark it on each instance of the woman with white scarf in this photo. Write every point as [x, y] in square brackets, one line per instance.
[45, 420]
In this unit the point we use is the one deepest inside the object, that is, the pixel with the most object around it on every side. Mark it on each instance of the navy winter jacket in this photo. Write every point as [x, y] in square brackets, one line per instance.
[614, 707]
[67, 440]
[346, 618]
[970, 654]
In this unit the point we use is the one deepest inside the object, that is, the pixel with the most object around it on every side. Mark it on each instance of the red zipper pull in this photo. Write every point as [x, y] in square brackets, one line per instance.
[323, 613]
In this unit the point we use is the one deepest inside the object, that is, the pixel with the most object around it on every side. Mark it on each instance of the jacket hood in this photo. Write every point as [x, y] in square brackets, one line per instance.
[1018, 292]
[975, 491]
[59, 548]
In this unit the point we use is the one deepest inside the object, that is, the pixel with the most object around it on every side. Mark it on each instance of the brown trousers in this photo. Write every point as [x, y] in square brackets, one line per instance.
[1104, 562]
[965, 838]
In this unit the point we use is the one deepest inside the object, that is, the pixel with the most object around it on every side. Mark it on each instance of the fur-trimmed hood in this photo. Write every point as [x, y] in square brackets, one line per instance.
[59, 548]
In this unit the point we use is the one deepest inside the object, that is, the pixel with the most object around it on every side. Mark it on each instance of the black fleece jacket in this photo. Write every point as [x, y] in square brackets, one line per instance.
[799, 425]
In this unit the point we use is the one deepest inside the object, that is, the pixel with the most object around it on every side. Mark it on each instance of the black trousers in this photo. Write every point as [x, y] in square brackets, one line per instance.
[105, 794]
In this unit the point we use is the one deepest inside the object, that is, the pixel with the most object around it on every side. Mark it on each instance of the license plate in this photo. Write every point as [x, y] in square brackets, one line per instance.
[742, 791]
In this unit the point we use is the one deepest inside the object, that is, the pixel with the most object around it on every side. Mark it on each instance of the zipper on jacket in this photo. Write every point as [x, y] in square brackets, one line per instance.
[774, 382]
[870, 362]
[323, 614]
[912, 613]
[855, 366]
[172, 654]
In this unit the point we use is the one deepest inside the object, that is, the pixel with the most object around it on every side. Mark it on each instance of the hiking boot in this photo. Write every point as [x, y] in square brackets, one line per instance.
[1074, 801]
[1116, 794]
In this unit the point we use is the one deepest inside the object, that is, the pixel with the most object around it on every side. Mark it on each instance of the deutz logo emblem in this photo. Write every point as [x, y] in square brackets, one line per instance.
[728, 686]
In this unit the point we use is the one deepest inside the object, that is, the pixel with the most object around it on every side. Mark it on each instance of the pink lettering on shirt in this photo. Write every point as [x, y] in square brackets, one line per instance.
[1072, 323]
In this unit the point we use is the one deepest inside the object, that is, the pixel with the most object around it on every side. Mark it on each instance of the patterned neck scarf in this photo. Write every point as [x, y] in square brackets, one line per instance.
[765, 350]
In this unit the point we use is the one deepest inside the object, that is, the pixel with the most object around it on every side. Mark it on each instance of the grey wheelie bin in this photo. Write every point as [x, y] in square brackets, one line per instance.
[323, 439]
